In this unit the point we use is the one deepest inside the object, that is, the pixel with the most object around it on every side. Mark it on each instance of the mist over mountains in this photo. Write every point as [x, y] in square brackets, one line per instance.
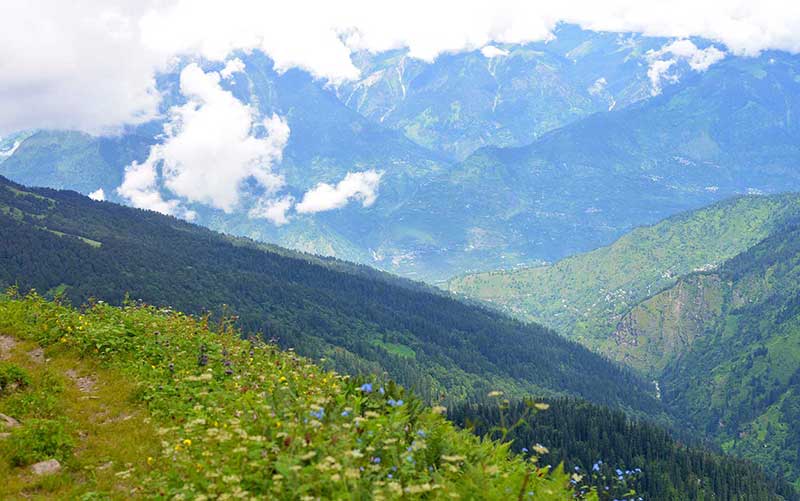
[529, 152]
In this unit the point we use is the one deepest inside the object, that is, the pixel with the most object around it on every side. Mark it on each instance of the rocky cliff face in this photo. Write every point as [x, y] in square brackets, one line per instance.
[662, 328]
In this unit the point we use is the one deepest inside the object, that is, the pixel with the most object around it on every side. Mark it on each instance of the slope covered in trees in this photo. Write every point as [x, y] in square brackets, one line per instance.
[358, 320]
[729, 344]
[619, 452]
[584, 296]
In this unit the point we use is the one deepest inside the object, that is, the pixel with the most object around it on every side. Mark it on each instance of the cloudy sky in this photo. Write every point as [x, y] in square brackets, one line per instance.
[91, 66]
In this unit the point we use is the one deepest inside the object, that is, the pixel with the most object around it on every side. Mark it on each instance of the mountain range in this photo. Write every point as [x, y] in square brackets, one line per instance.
[514, 146]
[703, 304]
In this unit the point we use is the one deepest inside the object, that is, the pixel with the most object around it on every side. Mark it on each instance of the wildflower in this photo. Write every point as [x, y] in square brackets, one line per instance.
[381, 390]
[540, 449]
[395, 403]
[150, 460]
[596, 467]
[376, 460]
[366, 388]
[345, 413]
[187, 442]
[495, 393]
[541, 406]
[525, 450]
[319, 414]
[282, 379]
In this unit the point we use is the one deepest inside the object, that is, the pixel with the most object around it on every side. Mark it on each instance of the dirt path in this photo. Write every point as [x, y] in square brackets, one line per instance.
[111, 433]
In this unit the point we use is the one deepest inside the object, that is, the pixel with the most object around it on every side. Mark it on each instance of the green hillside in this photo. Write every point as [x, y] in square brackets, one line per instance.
[584, 296]
[607, 444]
[729, 344]
[358, 320]
[184, 410]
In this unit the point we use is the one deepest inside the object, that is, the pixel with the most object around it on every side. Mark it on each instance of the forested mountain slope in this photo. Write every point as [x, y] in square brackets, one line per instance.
[63, 242]
[613, 450]
[584, 296]
[725, 346]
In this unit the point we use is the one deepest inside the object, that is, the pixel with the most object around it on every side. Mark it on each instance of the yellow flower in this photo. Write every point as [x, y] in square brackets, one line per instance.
[282, 379]
[540, 449]
[541, 406]
[187, 442]
[149, 459]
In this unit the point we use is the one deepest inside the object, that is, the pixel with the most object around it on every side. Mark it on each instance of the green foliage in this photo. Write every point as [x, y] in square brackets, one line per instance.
[596, 442]
[356, 318]
[39, 439]
[12, 378]
[584, 296]
[244, 418]
[721, 340]
[738, 378]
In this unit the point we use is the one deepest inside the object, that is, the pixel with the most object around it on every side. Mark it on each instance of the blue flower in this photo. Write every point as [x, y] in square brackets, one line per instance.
[345, 413]
[596, 467]
[525, 450]
[318, 414]
[395, 403]
[366, 387]
[376, 460]
[619, 472]
[381, 390]
[421, 433]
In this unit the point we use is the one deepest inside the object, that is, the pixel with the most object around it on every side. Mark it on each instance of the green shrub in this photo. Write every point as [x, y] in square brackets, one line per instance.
[38, 440]
[40, 401]
[12, 378]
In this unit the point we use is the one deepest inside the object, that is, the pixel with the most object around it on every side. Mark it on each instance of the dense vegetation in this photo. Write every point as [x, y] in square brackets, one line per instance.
[225, 417]
[358, 320]
[584, 296]
[705, 304]
[621, 453]
[735, 371]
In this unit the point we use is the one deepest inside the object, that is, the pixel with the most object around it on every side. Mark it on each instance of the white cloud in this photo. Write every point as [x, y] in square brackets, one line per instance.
[98, 195]
[91, 66]
[658, 71]
[598, 86]
[361, 186]
[212, 144]
[491, 51]
[698, 60]
[273, 210]
[235, 65]
[141, 188]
